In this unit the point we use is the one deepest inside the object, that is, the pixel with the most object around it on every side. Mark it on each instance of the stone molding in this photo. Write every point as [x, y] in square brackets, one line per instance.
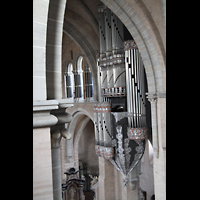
[43, 120]
[45, 105]
[56, 136]
[42, 116]
[154, 96]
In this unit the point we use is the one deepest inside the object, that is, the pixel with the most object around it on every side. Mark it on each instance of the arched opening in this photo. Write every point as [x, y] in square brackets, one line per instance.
[69, 81]
[88, 159]
[78, 79]
[85, 158]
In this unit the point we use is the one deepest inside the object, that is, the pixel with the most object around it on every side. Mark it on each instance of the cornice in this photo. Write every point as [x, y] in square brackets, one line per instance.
[42, 116]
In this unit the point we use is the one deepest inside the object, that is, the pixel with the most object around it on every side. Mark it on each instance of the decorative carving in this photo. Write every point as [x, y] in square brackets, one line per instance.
[94, 179]
[101, 151]
[108, 153]
[120, 156]
[97, 149]
[116, 59]
[152, 100]
[130, 44]
[66, 134]
[119, 115]
[114, 92]
[55, 138]
[102, 107]
[137, 134]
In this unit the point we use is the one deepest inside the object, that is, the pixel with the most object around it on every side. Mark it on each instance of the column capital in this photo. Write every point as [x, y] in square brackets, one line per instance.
[55, 139]
[56, 136]
[152, 97]
[152, 100]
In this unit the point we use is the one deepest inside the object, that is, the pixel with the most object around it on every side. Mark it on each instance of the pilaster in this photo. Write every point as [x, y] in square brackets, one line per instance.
[158, 114]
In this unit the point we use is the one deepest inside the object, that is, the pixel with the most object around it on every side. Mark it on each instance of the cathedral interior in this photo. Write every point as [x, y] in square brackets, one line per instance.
[99, 99]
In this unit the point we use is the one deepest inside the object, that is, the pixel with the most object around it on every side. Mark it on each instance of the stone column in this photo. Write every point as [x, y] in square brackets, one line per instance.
[153, 100]
[106, 180]
[56, 167]
[56, 136]
[158, 113]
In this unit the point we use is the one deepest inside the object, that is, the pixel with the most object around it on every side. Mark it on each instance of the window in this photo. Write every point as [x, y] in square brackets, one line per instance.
[78, 79]
[69, 81]
[88, 84]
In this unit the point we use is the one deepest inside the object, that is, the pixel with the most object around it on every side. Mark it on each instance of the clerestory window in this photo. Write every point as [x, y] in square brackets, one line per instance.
[78, 79]
[69, 81]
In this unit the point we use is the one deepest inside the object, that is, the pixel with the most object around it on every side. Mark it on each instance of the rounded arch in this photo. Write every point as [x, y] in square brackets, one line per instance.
[80, 63]
[80, 119]
[70, 68]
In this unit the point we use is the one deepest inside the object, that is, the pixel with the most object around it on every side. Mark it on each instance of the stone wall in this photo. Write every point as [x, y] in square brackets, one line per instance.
[147, 178]
[42, 167]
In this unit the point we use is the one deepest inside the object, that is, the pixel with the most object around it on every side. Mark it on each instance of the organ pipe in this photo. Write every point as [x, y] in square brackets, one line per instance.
[135, 85]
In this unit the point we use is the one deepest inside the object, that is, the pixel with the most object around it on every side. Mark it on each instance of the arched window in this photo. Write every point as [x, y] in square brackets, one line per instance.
[78, 79]
[88, 84]
[69, 81]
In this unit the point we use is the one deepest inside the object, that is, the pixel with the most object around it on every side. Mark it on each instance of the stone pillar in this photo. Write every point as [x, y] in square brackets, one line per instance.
[158, 113]
[56, 136]
[106, 180]
[153, 100]
[56, 167]
[40, 14]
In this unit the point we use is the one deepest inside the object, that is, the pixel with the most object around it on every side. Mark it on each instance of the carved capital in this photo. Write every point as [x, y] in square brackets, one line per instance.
[55, 138]
[152, 100]
[66, 133]
[152, 97]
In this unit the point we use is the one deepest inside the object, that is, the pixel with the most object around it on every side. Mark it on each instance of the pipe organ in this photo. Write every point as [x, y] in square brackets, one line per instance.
[120, 114]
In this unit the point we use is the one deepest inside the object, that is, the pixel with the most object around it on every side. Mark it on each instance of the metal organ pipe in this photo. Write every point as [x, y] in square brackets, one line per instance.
[108, 33]
[102, 29]
[100, 127]
[98, 76]
[127, 86]
[135, 85]
[96, 124]
[132, 87]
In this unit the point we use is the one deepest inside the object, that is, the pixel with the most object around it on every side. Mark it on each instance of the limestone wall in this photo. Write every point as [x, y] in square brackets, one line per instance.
[42, 167]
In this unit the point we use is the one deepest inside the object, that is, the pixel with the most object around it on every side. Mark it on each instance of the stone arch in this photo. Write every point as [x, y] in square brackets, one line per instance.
[54, 48]
[154, 67]
[70, 68]
[79, 116]
[80, 63]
